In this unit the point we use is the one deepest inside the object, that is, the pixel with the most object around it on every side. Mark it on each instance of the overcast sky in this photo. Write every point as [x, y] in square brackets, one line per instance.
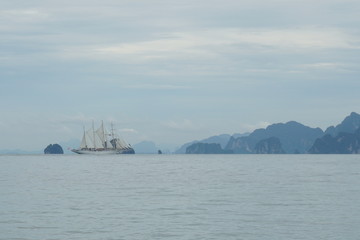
[174, 71]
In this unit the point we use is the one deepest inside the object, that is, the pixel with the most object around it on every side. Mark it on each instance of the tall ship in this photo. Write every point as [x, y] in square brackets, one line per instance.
[100, 141]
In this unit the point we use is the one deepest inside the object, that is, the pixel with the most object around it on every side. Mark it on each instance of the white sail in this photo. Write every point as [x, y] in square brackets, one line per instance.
[98, 142]
[83, 142]
[101, 136]
[89, 138]
[121, 144]
[124, 144]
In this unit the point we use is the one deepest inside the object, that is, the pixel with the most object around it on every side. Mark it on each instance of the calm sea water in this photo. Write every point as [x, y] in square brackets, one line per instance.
[180, 197]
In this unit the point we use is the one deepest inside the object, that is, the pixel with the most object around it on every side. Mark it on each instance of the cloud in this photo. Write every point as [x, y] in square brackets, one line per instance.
[322, 65]
[22, 20]
[214, 43]
[27, 14]
[78, 119]
[185, 124]
[157, 86]
[340, 67]
[128, 130]
[252, 127]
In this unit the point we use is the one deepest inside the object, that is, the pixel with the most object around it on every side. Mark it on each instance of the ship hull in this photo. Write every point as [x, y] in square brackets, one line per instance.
[103, 152]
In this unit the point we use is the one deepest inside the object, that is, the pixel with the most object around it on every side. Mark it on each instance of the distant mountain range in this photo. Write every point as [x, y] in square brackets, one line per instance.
[293, 136]
[222, 139]
[290, 137]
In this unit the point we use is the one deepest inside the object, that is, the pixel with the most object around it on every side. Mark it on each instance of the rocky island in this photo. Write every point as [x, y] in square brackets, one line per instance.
[53, 149]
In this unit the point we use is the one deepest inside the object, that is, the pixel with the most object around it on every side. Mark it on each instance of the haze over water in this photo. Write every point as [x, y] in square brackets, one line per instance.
[180, 197]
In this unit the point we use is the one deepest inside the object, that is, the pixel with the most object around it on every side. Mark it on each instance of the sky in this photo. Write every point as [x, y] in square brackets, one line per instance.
[174, 71]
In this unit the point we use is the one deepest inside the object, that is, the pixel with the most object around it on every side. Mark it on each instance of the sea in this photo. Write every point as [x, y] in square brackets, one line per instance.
[250, 197]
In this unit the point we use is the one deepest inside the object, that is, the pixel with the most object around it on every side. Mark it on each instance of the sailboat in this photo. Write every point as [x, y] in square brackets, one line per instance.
[100, 141]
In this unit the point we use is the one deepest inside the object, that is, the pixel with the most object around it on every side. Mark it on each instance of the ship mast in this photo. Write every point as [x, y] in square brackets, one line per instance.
[104, 138]
[93, 134]
[84, 137]
[112, 135]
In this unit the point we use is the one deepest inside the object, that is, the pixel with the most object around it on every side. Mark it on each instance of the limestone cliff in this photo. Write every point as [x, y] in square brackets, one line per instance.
[343, 143]
[206, 148]
[270, 145]
[349, 125]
